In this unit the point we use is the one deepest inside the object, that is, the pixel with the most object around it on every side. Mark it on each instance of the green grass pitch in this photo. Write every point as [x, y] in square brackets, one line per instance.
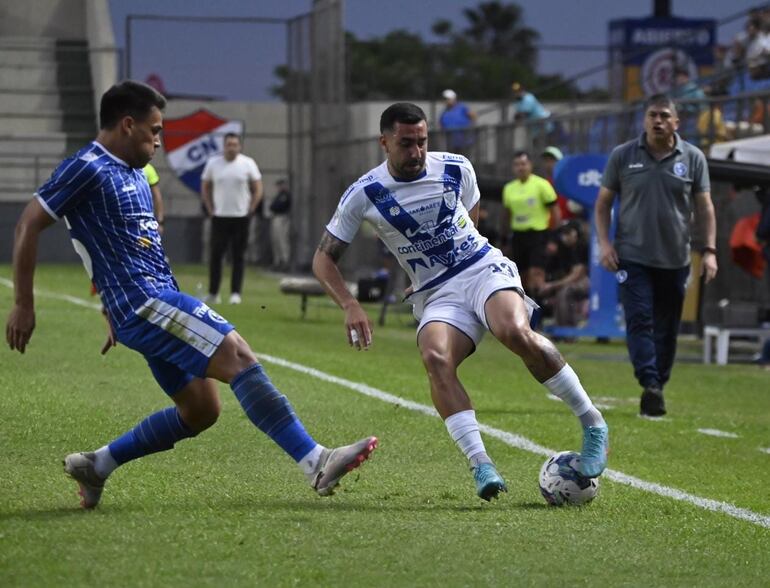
[229, 509]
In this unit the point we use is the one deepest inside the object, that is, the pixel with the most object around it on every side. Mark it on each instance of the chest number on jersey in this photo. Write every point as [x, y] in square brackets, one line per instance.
[504, 268]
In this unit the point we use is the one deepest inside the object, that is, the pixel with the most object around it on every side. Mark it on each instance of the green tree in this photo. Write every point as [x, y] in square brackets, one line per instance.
[479, 62]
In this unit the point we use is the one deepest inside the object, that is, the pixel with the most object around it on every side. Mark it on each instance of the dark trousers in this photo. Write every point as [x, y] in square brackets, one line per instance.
[232, 232]
[652, 300]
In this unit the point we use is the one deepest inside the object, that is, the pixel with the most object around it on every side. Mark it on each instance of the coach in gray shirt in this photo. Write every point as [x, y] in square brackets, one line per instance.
[660, 180]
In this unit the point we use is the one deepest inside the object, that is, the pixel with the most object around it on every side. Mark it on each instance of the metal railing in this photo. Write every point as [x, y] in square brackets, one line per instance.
[491, 147]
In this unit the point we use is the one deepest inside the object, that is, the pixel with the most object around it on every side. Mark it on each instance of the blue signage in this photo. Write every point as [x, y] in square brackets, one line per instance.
[579, 177]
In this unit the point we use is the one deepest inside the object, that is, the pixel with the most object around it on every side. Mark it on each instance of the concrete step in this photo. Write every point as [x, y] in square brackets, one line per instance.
[11, 41]
[46, 122]
[22, 100]
[43, 76]
[15, 194]
[29, 173]
[50, 145]
[28, 103]
[27, 56]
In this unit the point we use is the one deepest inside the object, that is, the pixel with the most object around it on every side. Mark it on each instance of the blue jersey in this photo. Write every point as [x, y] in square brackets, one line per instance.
[107, 206]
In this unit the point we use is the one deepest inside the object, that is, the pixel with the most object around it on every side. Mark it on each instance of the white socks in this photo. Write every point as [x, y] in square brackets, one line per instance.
[464, 430]
[566, 385]
[104, 464]
[309, 463]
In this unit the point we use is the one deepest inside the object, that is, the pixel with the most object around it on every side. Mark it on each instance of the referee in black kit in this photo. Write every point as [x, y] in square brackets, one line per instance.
[659, 180]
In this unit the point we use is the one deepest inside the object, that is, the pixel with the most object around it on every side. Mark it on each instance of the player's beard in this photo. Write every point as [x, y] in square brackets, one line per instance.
[412, 168]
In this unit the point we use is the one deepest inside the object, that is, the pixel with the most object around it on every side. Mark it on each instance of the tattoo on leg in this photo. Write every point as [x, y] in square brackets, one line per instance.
[332, 246]
[547, 362]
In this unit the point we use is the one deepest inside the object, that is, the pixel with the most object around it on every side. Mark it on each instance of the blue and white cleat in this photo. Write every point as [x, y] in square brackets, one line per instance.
[488, 482]
[596, 446]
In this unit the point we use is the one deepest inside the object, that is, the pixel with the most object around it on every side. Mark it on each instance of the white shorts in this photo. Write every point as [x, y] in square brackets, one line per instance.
[460, 300]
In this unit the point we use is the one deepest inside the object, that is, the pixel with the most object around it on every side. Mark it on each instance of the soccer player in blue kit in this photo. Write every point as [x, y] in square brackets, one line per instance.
[103, 195]
[424, 207]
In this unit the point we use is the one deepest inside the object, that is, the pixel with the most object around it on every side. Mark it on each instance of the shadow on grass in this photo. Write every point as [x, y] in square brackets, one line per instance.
[339, 504]
[383, 505]
[48, 514]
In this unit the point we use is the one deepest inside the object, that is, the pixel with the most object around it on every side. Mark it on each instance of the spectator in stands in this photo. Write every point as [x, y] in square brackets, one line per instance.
[527, 106]
[456, 120]
[548, 160]
[567, 285]
[530, 210]
[687, 90]
[280, 226]
[757, 43]
[723, 72]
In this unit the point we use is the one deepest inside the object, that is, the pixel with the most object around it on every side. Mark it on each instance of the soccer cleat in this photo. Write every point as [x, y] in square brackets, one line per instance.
[235, 298]
[80, 467]
[652, 403]
[488, 482]
[212, 299]
[596, 446]
[335, 463]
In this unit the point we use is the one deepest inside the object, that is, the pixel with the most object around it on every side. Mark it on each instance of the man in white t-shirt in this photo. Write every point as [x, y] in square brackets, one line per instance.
[424, 207]
[231, 189]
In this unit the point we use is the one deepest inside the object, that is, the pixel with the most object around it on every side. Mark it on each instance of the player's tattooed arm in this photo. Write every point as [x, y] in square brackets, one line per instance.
[332, 246]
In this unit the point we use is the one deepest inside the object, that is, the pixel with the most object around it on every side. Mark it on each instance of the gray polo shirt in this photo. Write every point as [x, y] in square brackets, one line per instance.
[656, 201]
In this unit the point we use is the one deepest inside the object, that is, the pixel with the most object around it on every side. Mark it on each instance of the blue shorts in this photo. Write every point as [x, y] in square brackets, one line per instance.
[177, 335]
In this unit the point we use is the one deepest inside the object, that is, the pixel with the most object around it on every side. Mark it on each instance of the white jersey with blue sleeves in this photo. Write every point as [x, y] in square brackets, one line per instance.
[107, 206]
[424, 222]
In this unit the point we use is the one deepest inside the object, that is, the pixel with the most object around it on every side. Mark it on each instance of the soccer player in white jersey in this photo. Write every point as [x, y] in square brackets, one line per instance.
[424, 206]
[105, 199]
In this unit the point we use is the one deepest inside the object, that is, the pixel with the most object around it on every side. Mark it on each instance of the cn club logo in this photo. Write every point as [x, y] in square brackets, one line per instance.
[191, 140]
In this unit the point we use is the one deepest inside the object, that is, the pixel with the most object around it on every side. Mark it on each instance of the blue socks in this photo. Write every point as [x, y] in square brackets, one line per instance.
[158, 432]
[265, 406]
[271, 412]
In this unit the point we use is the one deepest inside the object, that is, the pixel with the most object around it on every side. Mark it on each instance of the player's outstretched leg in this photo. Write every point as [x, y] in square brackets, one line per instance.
[272, 413]
[332, 464]
[80, 467]
[158, 432]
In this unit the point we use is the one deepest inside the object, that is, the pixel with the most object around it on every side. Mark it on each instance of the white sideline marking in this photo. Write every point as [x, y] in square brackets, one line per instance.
[520, 442]
[65, 297]
[516, 441]
[718, 433]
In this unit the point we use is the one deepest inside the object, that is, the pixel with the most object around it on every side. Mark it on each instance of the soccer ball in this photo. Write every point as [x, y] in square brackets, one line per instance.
[561, 483]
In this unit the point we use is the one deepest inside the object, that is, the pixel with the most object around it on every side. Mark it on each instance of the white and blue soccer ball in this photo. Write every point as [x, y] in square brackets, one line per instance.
[561, 483]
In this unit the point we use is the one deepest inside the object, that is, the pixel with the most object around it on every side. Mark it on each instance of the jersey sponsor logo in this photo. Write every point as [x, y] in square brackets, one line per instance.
[680, 169]
[446, 258]
[128, 188]
[203, 310]
[424, 207]
[427, 244]
[148, 224]
[635, 165]
[190, 141]
[452, 157]
[425, 227]
[88, 157]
